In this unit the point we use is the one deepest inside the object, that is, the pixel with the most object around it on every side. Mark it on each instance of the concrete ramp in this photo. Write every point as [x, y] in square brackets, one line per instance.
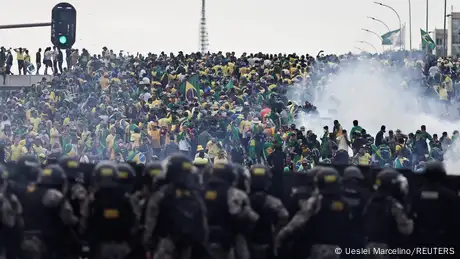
[19, 81]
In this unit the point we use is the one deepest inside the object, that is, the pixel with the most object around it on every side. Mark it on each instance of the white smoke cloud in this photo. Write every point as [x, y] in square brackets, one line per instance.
[365, 93]
[452, 159]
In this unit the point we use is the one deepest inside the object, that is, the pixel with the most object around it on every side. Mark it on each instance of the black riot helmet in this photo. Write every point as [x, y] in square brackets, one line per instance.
[304, 179]
[261, 178]
[52, 176]
[392, 183]
[353, 174]
[27, 169]
[71, 167]
[328, 181]
[105, 174]
[244, 178]
[153, 173]
[434, 171]
[225, 172]
[177, 168]
[126, 176]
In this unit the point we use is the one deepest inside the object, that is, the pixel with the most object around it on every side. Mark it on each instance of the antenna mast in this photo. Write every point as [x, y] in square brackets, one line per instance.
[203, 31]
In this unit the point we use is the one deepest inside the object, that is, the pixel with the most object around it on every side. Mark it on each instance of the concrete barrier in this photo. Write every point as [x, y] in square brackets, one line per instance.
[20, 81]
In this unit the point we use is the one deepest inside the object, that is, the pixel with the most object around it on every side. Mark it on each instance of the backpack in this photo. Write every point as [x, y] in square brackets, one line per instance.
[185, 210]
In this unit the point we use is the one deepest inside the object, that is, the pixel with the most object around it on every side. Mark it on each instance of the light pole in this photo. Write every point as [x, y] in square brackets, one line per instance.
[380, 38]
[444, 39]
[399, 19]
[426, 26]
[380, 21]
[370, 44]
[410, 26]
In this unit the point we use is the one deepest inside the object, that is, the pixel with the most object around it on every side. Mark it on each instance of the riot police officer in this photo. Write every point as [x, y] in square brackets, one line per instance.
[327, 215]
[152, 175]
[126, 177]
[354, 193]
[435, 209]
[244, 178]
[303, 188]
[176, 212]
[77, 192]
[271, 211]
[386, 220]
[10, 217]
[229, 211]
[48, 216]
[26, 172]
[109, 215]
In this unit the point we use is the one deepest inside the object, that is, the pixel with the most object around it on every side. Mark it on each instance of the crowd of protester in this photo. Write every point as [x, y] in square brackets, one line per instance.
[209, 106]
[208, 118]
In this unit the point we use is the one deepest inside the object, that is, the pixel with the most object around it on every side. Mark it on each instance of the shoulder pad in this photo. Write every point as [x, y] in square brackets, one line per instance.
[52, 198]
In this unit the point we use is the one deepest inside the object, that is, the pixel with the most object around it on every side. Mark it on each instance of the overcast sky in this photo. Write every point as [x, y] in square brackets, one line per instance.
[233, 25]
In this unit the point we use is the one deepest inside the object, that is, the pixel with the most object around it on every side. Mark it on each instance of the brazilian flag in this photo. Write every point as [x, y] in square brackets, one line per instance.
[139, 158]
[191, 88]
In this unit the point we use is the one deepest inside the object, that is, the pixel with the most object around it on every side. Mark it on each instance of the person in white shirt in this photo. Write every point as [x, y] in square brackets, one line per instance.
[342, 141]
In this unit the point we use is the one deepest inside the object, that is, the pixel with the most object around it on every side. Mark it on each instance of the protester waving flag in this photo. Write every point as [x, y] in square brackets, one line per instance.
[390, 38]
[191, 88]
[427, 40]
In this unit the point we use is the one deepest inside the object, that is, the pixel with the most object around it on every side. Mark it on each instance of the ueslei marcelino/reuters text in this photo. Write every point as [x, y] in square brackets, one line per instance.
[401, 251]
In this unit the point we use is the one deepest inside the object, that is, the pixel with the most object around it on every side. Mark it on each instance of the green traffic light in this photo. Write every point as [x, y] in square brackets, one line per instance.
[63, 39]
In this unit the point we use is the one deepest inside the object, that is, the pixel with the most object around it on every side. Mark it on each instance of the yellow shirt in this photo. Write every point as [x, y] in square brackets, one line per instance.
[17, 151]
[19, 56]
[35, 122]
[364, 159]
[155, 134]
[54, 136]
[443, 94]
[136, 138]
[104, 82]
[109, 141]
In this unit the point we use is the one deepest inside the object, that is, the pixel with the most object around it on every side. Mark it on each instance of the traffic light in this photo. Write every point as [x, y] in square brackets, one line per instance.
[63, 25]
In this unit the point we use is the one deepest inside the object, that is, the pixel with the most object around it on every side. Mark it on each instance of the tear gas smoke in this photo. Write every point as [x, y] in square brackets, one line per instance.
[366, 93]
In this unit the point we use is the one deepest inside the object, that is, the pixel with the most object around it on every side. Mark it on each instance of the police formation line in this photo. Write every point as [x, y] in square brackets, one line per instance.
[184, 210]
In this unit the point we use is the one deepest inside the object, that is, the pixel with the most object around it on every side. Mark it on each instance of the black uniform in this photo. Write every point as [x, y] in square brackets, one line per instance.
[271, 211]
[386, 221]
[435, 210]
[111, 220]
[356, 196]
[326, 216]
[48, 216]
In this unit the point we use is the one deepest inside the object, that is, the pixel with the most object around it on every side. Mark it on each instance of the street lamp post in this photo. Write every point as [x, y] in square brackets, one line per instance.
[444, 39]
[370, 44]
[380, 21]
[399, 19]
[376, 34]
